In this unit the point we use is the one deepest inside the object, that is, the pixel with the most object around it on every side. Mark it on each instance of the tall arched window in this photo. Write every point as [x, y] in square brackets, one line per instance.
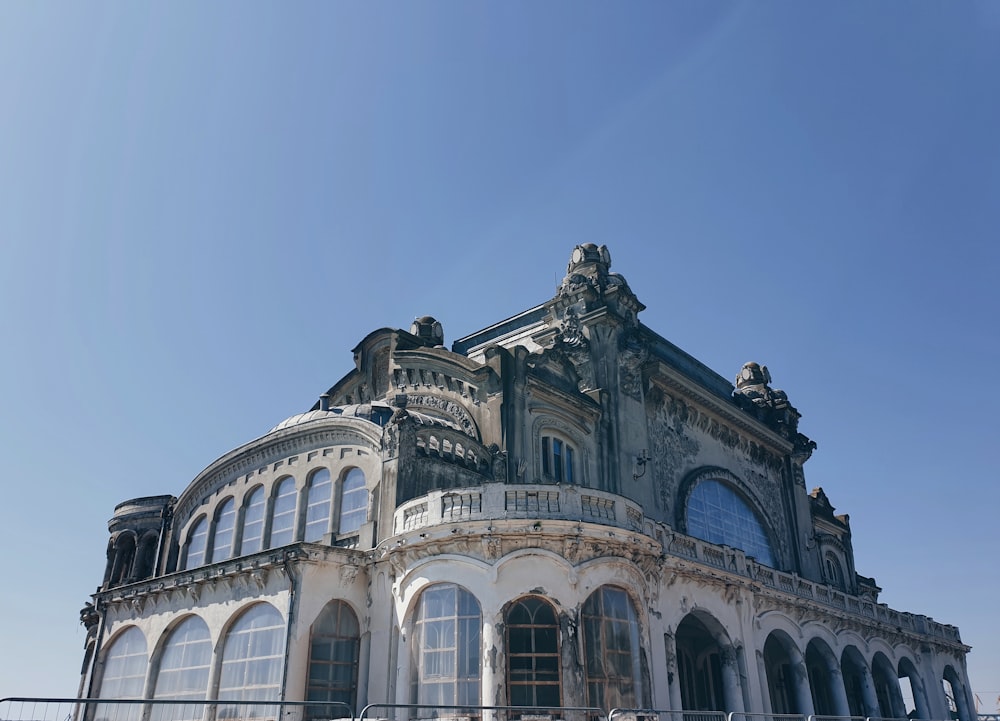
[124, 676]
[611, 647]
[182, 672]
[718, 514]
[318, 495]
[253, 522]
[197, 544]
[446, 658]
[353, 502]
[252, 662]
[222, 536]
[124, 558]
[833, 570]
[532, 654]
[283, 513]
[333, 661]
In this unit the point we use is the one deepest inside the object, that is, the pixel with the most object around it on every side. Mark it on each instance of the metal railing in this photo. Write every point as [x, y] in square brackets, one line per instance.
[17, 708]
[490, 713]
[96, 709]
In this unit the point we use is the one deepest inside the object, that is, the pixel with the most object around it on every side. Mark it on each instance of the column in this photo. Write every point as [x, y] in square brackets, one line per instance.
[838, 692]
[491, 685]
[673, 680]
[732, 689]
[765, 689]
[868, 693]
[803, 694]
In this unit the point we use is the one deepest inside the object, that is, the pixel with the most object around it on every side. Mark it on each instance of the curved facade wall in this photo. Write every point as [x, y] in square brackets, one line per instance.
[562, 510]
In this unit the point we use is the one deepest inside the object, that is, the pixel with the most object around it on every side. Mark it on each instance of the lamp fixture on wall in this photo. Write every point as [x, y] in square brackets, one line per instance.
[640, 464]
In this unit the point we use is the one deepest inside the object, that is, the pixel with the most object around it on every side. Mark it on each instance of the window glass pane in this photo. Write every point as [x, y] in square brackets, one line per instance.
[353, 502]
[225, 524]
[611, 645]
[283, 514]
[124, 677]
[446, 663]
[183, 671]
[253, 523]
[318, 505]
[717, 514]
[197, 544]
[333, 661]
[557, 459]
[532, 653]
[252, 662]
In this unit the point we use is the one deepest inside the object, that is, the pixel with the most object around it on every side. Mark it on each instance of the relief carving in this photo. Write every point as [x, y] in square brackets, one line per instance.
[449, 408]
[632, 354]
[672, 451]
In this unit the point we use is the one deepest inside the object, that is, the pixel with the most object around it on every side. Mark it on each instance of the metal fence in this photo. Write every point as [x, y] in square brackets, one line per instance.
[95, 709]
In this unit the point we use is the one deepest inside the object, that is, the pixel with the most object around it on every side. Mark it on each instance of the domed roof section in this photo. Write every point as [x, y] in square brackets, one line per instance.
[302, 418]
[376, 412]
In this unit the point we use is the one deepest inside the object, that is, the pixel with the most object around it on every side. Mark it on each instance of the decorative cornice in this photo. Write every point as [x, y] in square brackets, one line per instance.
[274, 447]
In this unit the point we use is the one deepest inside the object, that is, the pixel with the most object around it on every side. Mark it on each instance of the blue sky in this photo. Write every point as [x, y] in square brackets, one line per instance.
[204, 206]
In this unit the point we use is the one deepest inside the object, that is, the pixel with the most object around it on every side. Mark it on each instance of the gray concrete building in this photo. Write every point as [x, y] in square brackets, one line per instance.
[562, 510]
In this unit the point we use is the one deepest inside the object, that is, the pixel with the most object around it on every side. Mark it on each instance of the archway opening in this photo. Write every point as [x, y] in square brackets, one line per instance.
[781, 679]
[699, 666]
[820, 663]
[855, 672]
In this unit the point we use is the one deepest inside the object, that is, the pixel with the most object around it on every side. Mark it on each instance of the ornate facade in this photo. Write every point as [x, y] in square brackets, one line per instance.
[562, 510]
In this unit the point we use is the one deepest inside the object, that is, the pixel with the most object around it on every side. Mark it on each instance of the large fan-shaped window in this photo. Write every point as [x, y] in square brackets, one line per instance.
[718, 514]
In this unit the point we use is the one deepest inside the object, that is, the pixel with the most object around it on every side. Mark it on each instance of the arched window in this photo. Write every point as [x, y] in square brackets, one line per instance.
[353, 502]
[124, 558]
[333, 661]
[718, 514]
[532, 654]
[446, 659]
[318, 497]
[197, 544]
[558, 460]
[253, 522]
[834, 572]
[182, 672]
[124, 676]
[283, 513]
[611, 647]
[145, 556]
[222, 537]
[252, 662]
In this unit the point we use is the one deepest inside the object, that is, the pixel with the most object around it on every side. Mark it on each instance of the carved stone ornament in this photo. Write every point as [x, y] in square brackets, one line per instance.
[632, 354]
[769, 405]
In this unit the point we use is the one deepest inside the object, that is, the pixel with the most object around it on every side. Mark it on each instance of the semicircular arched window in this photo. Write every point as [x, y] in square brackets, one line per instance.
[718, 514]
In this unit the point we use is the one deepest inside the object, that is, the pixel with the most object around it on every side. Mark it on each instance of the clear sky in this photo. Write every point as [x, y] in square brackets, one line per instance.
[204, 206]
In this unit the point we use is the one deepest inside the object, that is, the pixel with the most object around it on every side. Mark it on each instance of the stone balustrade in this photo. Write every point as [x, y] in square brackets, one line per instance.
[501, 501]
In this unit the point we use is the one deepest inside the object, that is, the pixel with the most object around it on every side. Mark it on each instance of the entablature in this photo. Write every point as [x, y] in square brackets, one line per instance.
[272, 448]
